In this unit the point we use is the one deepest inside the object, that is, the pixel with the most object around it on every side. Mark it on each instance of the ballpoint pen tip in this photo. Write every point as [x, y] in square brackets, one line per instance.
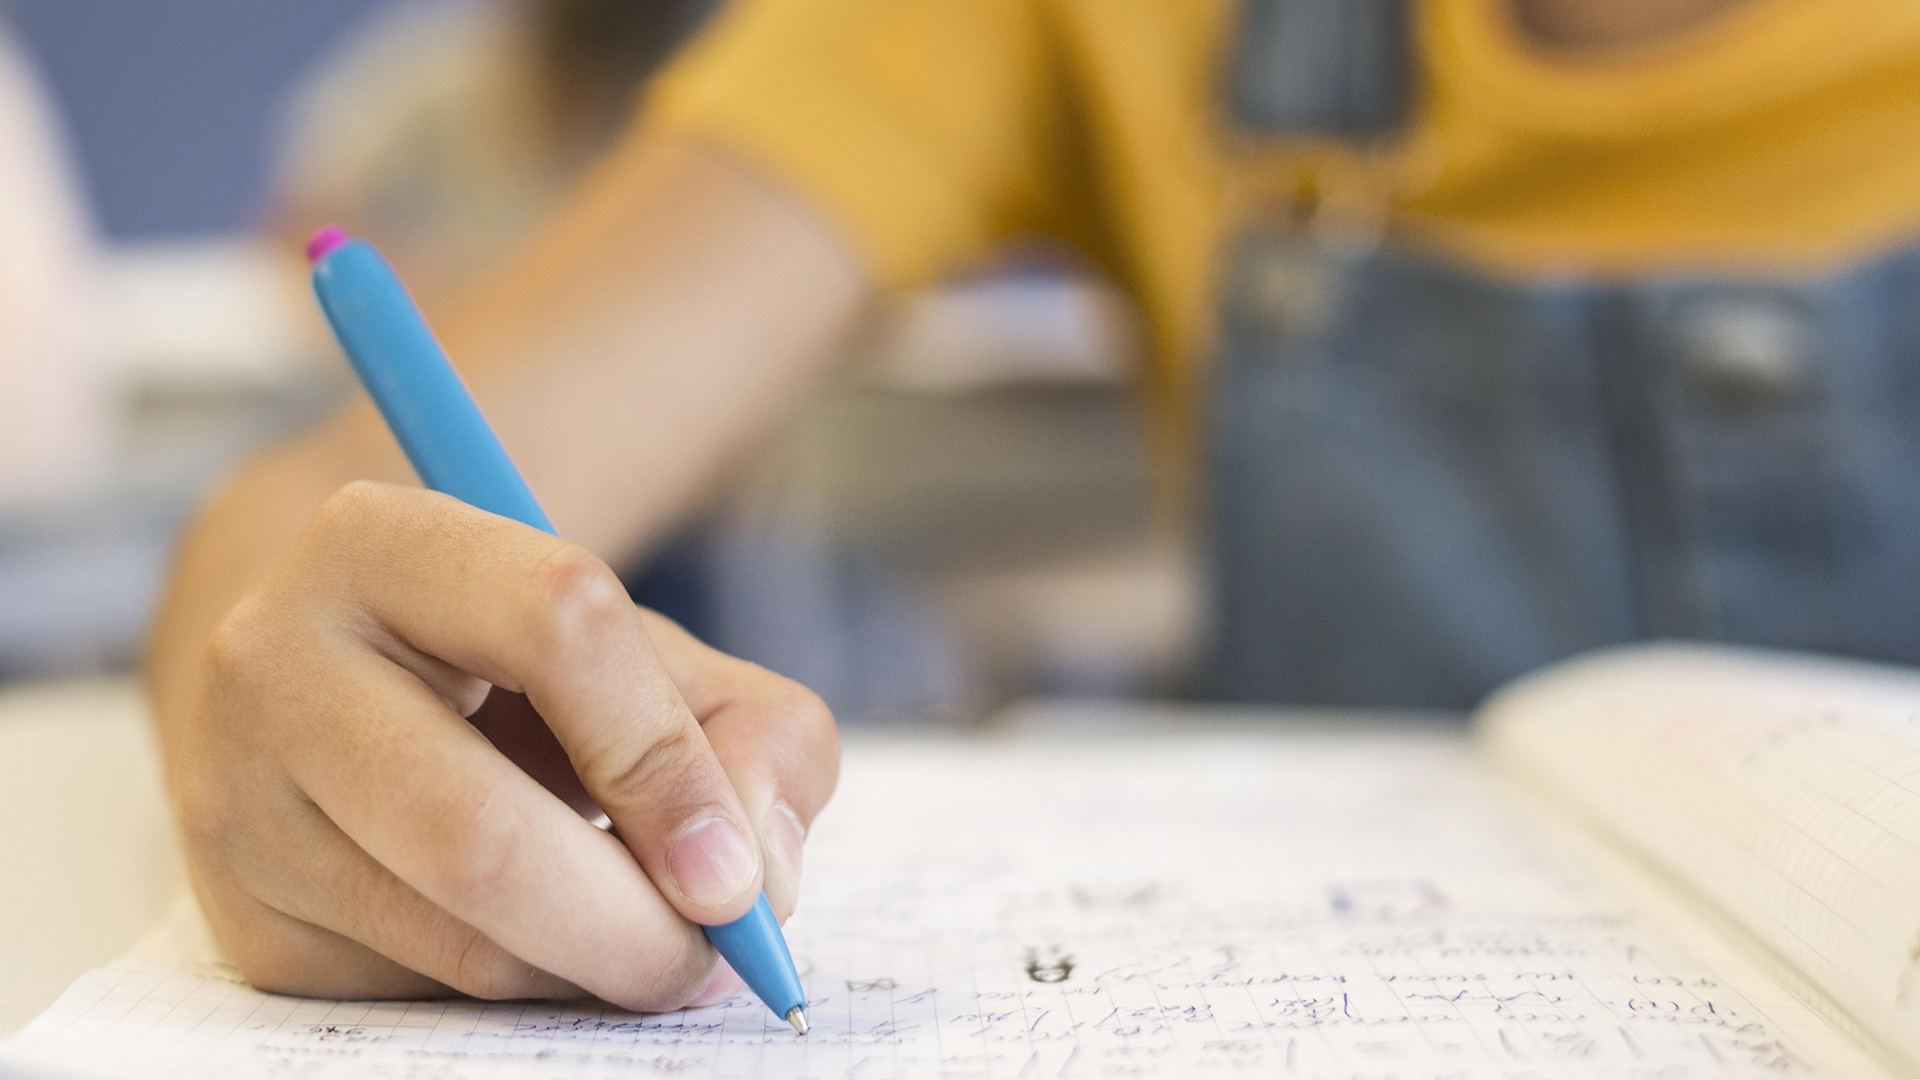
[797, 1016]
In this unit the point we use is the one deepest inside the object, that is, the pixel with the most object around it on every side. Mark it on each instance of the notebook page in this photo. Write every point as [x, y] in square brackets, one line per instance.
[1306, 906]
[1784, 789]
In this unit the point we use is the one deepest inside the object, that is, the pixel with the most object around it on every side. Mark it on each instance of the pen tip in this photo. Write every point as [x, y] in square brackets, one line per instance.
[797, 1016]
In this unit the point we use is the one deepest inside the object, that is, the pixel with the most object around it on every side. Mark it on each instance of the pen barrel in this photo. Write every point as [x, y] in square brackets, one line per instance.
[757, 949]
[415, 387]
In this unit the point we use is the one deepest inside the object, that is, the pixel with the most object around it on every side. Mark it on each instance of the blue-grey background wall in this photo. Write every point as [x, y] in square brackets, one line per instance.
[171, 103]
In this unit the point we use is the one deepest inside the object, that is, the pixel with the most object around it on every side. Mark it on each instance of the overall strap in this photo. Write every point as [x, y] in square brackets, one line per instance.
[1341, 68]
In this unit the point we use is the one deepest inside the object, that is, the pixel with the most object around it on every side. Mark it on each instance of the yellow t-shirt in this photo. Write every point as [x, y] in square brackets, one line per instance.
[1778, 134]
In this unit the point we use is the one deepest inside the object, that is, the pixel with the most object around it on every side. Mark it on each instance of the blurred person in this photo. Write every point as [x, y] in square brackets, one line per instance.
[55, 413]
[1543, 324]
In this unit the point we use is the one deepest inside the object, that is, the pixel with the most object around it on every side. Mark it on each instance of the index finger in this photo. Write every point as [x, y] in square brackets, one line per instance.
[528, 612]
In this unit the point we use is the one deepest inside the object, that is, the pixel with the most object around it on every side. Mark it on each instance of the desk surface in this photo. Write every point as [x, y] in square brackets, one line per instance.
[87, 845]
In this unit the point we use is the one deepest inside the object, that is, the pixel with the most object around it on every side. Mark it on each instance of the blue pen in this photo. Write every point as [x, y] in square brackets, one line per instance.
[454, 450]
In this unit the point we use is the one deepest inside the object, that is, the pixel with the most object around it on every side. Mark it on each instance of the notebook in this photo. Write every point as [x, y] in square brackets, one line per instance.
[1663, 862]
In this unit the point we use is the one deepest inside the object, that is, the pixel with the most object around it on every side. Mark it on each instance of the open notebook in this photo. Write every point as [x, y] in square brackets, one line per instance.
[1662, 863]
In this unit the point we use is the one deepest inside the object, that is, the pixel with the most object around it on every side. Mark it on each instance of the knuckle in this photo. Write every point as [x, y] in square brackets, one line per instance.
[231, 651]
[210, 750]
[203, 809]
[807, 712]
[480, 840]
[807, 715]
[670, 763]
[352, 506]
[581, 597]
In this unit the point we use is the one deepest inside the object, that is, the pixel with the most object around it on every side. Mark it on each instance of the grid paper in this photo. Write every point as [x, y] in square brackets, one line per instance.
[1785, 789]
[1298, 906]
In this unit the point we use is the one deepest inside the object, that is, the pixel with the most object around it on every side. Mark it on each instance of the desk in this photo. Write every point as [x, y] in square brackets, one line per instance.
[87, 855]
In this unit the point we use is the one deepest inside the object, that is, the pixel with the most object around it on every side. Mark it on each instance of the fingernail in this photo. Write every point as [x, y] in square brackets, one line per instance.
[711, 862]
[721, 986]
[787, 838]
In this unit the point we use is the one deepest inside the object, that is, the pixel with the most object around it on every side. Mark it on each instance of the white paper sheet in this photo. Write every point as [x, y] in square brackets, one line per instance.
[1301, 906]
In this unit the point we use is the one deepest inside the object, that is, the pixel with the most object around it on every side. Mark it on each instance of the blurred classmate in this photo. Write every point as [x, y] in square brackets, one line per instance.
[55, 419]
[1542, 324]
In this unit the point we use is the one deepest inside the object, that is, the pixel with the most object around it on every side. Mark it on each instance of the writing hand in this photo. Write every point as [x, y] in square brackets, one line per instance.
[352, 835]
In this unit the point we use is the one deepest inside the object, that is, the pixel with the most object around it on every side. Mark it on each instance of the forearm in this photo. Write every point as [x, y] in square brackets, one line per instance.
[673, 310]
[677, 309]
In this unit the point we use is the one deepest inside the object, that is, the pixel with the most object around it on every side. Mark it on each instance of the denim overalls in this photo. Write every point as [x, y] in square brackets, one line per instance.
[1426, 481]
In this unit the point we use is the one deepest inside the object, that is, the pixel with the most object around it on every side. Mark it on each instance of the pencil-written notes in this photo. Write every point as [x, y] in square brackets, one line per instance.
[1291, 906]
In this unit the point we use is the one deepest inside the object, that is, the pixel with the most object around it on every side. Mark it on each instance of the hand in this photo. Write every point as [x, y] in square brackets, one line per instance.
[352, 835]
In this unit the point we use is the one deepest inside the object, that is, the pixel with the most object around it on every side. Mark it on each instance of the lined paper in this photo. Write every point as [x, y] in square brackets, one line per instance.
[1288, 905]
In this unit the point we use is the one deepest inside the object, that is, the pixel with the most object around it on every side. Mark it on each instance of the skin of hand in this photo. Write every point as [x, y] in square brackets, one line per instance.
[329, 626]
